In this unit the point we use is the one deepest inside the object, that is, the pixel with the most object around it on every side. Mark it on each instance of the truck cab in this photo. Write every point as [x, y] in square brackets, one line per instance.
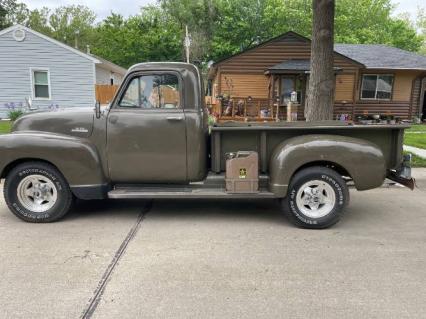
[159, 112]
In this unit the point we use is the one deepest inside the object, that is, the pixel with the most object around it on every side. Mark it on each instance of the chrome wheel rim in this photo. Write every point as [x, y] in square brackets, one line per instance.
[37, 193]
[315, 199]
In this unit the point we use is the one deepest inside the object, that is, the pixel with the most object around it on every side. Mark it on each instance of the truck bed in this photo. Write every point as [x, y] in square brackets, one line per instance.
[264, 137]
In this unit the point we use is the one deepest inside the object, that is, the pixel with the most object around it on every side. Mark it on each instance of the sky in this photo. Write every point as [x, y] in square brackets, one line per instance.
[102, 8]
[130, 7]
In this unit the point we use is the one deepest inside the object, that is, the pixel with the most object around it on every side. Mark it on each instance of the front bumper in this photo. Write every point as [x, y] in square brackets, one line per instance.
[402, 175]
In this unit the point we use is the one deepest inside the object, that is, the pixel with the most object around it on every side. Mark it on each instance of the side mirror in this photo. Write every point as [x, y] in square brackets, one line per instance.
[98, 109]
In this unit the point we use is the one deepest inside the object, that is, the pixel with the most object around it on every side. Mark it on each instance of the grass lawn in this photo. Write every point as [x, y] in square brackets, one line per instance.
[417, 128]
[416, 161]
[416, 140]
[5, 127]
[416, 136]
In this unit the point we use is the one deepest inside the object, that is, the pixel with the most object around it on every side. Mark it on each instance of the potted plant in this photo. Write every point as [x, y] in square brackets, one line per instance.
[390, 119]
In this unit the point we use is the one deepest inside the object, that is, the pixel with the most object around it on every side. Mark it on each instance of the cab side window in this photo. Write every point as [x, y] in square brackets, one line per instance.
[152, 92]
[131, 97]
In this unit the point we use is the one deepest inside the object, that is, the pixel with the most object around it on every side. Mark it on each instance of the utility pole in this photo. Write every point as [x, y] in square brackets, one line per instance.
[76, 38]
[187, 43]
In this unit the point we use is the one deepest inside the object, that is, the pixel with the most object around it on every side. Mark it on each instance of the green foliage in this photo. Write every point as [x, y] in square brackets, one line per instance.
[13, 115]
[38, 20]
[149, 36]
[65, 23]
[421, 25]
[200, 16]
[244, 23]
[12, 12]
[69, 23]
[370, 21]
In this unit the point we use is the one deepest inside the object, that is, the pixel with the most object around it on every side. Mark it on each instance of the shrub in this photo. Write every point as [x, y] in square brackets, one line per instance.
[13, 115]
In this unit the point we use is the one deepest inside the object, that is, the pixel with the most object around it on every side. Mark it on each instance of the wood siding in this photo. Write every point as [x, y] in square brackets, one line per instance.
[345, 87]
[244, 85]
[258, 59]
[402, 85]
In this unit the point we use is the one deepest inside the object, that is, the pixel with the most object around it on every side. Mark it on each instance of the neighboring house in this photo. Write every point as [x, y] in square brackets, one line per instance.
[49, 72]
[370, 79]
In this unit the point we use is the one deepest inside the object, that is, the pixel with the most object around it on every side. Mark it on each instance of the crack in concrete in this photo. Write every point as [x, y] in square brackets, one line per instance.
[97, 295]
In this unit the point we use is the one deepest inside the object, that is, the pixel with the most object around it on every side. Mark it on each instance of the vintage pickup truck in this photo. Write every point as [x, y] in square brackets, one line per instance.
[153, 141]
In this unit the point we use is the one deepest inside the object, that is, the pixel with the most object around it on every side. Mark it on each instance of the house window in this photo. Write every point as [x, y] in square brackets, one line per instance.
[41, 84]
[377, 86]
[287, 86]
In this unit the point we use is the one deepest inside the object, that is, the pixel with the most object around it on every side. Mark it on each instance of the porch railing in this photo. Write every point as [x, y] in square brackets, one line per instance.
[252, 109]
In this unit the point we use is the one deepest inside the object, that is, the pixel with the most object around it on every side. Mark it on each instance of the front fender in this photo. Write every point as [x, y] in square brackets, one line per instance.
[76, 158]
[363, 160]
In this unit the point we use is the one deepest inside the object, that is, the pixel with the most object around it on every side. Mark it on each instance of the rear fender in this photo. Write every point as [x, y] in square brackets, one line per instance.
[76, 158]
[363, 160]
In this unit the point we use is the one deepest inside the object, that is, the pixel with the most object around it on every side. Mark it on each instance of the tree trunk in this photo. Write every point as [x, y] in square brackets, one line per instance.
[322, 82]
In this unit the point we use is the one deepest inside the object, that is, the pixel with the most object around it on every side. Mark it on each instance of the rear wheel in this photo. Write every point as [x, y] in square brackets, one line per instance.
[316, 198]
[37, 192]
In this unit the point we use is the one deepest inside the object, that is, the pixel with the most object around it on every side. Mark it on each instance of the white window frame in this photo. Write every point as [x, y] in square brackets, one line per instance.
[375, 94]
[32, 70]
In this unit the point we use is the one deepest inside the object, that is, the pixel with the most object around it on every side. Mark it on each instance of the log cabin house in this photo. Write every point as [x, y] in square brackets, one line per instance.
[370, 79]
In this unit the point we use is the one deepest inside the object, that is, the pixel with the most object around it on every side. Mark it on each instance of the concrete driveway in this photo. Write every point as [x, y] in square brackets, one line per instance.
[218, 259]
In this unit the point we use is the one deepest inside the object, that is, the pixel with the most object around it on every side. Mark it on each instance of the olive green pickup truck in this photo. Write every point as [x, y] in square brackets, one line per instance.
[154, 142]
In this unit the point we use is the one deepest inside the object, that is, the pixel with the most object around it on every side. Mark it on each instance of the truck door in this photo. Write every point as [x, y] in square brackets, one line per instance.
[146, 131]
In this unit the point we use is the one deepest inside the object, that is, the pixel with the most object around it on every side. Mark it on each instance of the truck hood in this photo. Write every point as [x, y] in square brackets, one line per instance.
[76, 121]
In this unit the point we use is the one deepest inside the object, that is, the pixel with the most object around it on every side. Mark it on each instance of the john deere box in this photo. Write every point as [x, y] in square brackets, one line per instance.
[242, 174]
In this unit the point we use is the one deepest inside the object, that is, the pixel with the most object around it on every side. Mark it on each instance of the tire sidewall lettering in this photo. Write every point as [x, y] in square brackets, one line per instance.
[338, 190]
[15, 203]
[35, 171]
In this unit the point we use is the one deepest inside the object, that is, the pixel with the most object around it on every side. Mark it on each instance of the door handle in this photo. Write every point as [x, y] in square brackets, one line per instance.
[113, 119]
[175, 118]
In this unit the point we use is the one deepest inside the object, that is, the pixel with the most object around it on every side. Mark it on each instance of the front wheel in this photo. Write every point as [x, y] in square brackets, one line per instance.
[316, 198]
[37, 192]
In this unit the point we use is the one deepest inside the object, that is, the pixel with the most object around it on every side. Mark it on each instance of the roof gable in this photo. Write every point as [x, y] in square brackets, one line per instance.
[290, 35]
[45, 37]
[108, 65]
[287, 35]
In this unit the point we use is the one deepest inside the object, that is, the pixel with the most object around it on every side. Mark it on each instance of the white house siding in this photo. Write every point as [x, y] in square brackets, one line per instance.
[103, 76]
[71, 75]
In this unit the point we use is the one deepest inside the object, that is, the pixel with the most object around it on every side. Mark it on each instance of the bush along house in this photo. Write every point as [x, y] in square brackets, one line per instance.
[258, 83]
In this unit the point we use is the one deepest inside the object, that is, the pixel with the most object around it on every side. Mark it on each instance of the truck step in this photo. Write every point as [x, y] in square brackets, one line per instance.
[127, 192]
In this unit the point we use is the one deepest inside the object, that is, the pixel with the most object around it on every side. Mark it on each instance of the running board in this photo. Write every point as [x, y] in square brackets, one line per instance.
[122, 193]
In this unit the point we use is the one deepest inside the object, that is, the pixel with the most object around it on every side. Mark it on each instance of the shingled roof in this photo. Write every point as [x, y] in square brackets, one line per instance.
[296, 65]
[379, 56]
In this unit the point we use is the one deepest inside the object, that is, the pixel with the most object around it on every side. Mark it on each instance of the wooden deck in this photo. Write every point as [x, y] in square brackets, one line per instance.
[251, 110]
